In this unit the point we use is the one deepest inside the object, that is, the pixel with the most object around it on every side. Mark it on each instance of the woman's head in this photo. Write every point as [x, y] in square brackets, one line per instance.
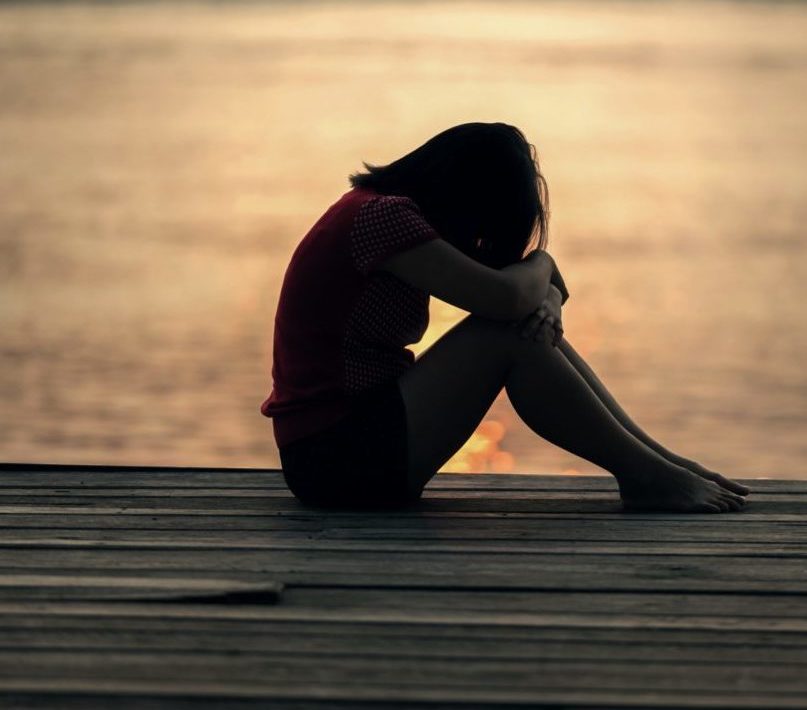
[478, 184]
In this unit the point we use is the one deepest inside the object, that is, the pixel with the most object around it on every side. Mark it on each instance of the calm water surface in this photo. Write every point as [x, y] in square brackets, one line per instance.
[159, 163]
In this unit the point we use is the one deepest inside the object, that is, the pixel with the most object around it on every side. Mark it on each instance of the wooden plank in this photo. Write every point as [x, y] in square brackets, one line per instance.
[261, 478]
[190, 620]
[423, 515]
[572, 482]
[473, 619]
[245, 678]
[49, 696]
[509, 601]
[451, 643]
[192, 485]
[495, 590]
[388, 676]
[655, 620]
[34, 467]
[259, 500]
[233, 506]
[143, 496]
[95, 587]
[548, 535]
[651, 648]
[145, 476]
[570, 579]
[458, 570]
[406, 527]
[11, 484]
[536, 508]
[77, 693]
[174, 589]
[302, 543]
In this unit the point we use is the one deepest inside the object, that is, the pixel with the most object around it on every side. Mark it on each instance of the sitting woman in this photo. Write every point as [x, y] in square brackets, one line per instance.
[359, 421]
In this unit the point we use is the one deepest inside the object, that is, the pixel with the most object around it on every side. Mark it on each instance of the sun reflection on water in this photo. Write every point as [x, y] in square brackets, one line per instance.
[143, 250]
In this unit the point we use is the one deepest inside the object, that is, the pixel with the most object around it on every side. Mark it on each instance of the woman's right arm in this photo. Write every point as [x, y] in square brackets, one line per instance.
[533, 276]
[442, 270]
[558, 282]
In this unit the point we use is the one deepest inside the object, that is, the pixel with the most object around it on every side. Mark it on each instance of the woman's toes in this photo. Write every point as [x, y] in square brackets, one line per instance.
[730, 485]
[736, 502]
[733, 486]
[719, 503]
[707, 508]
[722, 481]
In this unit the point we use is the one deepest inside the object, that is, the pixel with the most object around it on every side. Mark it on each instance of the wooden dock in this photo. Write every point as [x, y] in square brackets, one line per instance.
[124, 587]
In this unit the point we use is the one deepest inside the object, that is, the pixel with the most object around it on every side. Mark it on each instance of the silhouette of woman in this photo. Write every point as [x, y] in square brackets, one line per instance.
[359, 421]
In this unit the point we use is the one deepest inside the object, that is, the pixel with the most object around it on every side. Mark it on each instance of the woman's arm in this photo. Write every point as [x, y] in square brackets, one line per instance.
[558, 282]
[441, 269]
[534, 277]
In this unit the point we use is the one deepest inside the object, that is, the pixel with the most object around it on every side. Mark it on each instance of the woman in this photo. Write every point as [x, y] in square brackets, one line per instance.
[360, 422]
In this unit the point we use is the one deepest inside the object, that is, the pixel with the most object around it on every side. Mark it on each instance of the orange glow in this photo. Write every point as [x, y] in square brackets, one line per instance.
[502, 462]
[481, 452]
[143, 250]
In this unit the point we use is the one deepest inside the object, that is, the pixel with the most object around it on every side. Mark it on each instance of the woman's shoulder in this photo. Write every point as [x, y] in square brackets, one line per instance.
[384, 226]
[390, 209]
[362, 213]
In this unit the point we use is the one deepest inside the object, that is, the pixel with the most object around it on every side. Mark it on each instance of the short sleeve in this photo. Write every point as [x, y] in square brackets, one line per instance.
[386, 225]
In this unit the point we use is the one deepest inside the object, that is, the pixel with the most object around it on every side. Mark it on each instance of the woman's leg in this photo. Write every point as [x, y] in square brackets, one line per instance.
[450, 387]
[622, 417]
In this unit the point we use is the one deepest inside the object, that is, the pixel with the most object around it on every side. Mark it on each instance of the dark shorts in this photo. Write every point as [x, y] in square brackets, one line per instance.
[359, 462]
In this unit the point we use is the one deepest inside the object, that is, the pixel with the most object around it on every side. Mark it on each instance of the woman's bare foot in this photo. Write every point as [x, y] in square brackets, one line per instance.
[726, 483]
[676, 489]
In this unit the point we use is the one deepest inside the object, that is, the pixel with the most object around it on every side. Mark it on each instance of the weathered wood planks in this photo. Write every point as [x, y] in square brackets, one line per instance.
[137, 588]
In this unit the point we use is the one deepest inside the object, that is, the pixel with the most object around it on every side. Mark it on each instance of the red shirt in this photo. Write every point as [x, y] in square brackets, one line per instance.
[342, 327]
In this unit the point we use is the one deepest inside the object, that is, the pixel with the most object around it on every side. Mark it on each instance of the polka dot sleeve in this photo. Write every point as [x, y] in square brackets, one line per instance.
[387, 225]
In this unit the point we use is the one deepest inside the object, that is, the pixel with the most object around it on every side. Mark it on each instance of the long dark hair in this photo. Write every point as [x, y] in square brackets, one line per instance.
[478, 184]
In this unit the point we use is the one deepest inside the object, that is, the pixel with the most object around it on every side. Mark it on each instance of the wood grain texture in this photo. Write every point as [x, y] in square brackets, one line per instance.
[132, 587]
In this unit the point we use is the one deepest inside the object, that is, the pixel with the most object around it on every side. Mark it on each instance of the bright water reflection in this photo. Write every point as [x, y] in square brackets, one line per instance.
[160, 162]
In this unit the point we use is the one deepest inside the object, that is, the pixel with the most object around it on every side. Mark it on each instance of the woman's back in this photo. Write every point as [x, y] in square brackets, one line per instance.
[342, 327]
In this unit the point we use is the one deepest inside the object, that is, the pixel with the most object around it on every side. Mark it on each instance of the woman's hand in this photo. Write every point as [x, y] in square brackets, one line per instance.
[546, 321]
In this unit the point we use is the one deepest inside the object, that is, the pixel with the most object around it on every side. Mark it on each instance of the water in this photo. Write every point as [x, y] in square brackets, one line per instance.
[160, 162]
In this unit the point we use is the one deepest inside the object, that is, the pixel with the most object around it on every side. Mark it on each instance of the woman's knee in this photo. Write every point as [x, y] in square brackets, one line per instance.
[507, 334]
